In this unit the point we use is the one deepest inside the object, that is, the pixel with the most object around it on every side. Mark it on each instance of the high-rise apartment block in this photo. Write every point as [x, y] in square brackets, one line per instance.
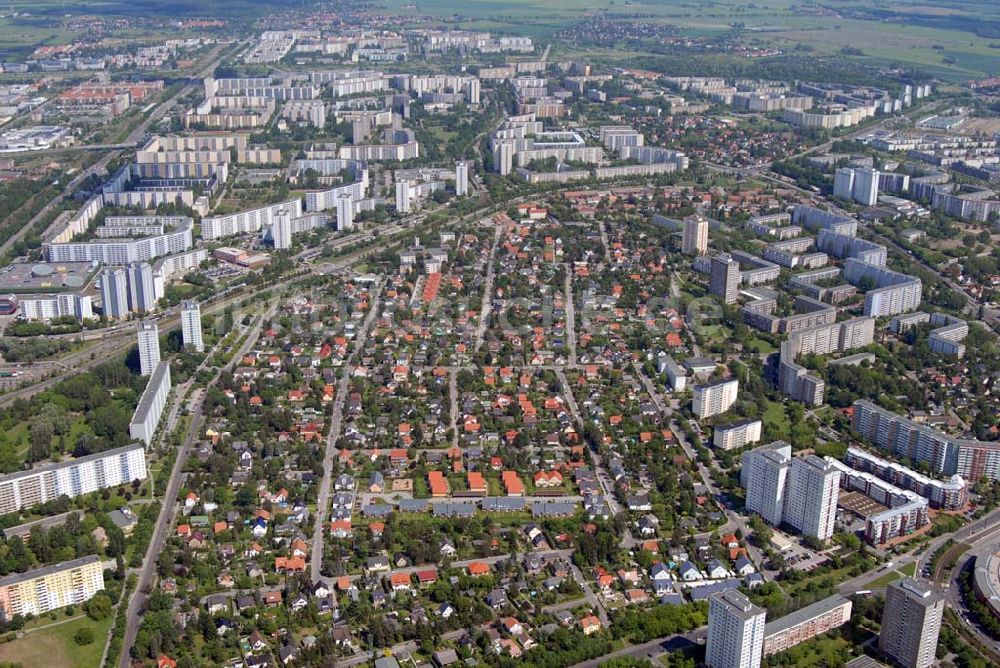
[715, 397]
[141, 287]
[281, 230]
[191, 326]
[911, 622]
[149, 347]
[694, 238]
[811, 497]
[403, 196]
[843, 183]
[461, 178]
[735, 631]
[345, 212]
[865, 189]
[114, 293]
[724, 278]
[801, 492]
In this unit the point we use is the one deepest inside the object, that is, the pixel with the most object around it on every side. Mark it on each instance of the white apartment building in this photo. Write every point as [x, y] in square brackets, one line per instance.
[345, 212]
[281, 230]
[149, 347]
[142, 293]
[911, 623]
[124, 251]
[715, 398]
[404, 196]
[114, 293]
[736, 434]
[724, 278]
[694, 238]
[764, 476]
[150, 409]
[191, 326]
[80, 476]
[461, 178]
[735, 631]
[247, 222]
[811, 498]
[47, 307]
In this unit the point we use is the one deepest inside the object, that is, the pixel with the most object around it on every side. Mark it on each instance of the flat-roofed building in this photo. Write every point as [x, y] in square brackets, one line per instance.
[736, 434]
[911, 622]
[150, 409]
[82, 475]
[806, 623]
[39, 591]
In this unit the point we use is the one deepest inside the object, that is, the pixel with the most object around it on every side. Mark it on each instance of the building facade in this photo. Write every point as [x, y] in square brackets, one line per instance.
[911, 623]
[73, 478]
[42, 590]
[735, 631]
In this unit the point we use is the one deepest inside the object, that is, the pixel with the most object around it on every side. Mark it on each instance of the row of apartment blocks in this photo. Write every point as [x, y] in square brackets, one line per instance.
[865, 261]
[774, 225]
[794, 380]
[945, 339]
[809, 313]
[951, 494]
[247, 222]
[813, 284]
[904, 511]
[944, 454]
[51, 587]
[792, 253]
[82, 475]
[154, 236]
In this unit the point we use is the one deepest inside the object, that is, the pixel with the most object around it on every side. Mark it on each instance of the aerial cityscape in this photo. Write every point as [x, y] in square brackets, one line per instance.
[391, 333]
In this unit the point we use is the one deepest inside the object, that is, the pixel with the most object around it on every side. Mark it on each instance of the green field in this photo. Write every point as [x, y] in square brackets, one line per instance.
[54, 647]
[951, 42]
[775, 415]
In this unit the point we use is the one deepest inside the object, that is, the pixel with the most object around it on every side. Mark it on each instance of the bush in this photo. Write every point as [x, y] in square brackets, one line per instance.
[83, 636]
[98, 607]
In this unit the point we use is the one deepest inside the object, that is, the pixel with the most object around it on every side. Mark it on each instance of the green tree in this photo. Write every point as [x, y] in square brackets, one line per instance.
[83, 636]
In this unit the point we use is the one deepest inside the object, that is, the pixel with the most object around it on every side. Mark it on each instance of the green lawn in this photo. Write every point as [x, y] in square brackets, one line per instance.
[775, 415]
[54, 647]
[829, 649]
[760, 346]
[885, 579]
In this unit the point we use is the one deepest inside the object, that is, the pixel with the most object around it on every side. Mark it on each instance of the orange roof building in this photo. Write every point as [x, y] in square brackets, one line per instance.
[477, 483]
[437, 483]
[513, 483]
[478, 569]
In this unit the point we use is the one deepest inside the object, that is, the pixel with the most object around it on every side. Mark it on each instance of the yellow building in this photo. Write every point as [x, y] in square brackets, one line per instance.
[51, 587]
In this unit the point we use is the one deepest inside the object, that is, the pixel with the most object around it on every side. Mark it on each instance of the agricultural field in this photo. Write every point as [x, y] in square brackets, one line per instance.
[957, 41]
